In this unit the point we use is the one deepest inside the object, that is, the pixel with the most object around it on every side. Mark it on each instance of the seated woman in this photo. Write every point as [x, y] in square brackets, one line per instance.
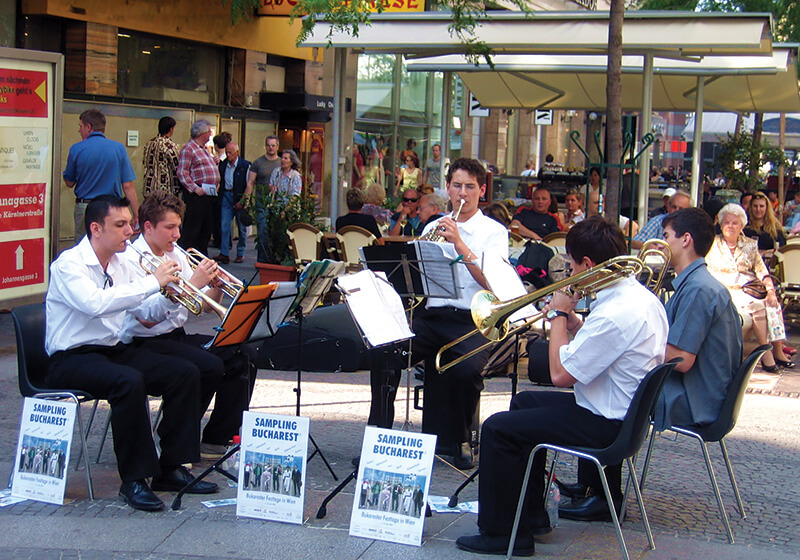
[574, 205]
[374, 197]
[734, 260]
[499, 212]
[354, 217]
[763, 225]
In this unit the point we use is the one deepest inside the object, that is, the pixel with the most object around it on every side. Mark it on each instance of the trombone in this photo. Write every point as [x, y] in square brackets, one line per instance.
[491, 316]
[229, 284]
[653, 277]
[188, 295]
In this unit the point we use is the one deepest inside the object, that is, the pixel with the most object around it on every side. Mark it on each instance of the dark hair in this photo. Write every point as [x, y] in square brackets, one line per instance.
[696, 223]
[471, 166]
[595, 168]
[596, 238]
[549, 158]
[499, 212]
[95, 118]
[98, 208]
[713, 205]
[271, 137]
[354, 199]
[165, 124]
[222, 139]
[158, 203]
[742, 196]
[414, 158]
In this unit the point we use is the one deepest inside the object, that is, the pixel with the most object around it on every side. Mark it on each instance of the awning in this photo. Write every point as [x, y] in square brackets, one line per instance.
[575, 32]
[732, 83]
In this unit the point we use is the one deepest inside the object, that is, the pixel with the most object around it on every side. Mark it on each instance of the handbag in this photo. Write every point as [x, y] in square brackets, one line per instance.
[755, 288]
[244, 217]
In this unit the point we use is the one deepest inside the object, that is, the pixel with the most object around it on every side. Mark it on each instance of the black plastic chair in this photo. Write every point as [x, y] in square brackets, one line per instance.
[32, 364]
[717, 431]
[631, 436]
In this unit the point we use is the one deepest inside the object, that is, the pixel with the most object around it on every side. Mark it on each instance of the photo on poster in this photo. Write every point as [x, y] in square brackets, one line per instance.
[392, 492]
[394, 474]
[272, 467]
[43, 450]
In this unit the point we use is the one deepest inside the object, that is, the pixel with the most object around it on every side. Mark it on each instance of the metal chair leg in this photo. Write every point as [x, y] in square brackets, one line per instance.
[715, 487]
[85, 434]
[735, 486]
[103, 439]
[84, 451]
[640, 499]
[523, 491]
[612, 509]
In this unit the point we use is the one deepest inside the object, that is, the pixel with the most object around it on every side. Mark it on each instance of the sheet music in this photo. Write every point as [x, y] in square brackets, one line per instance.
[440, 276]
[277, 307]
[376, 307]
[506, 284]
[321, 275]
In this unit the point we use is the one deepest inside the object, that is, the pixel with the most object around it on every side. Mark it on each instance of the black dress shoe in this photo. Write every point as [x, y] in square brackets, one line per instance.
[484, 544]
[785, 363]
[770, 369]
[462, 457]
[172, 480]
[575, 490]
[139, 496]
[593, 508]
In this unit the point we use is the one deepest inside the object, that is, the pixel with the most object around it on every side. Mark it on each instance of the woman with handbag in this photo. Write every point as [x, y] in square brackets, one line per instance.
[734, 261]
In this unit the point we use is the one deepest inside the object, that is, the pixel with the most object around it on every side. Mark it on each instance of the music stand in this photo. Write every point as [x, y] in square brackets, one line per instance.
[236, 328]
[314, 283]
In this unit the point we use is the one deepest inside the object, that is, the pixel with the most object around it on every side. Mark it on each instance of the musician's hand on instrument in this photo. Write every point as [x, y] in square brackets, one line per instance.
[449, 230]
[563, 302]
[205, 273]
[167, 272]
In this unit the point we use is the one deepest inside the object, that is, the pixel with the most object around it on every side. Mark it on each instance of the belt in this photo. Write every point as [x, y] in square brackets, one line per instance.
[83, 199]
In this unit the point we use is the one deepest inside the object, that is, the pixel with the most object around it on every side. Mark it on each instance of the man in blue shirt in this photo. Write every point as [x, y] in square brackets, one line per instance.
[654, 229]
[96, 166]
[704, 327]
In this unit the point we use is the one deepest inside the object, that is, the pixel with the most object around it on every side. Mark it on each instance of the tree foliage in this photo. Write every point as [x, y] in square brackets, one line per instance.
[741, 157]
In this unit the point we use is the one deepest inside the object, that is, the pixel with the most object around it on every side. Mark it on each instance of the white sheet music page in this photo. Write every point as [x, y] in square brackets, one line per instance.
[506, 284]
[376, 307]
[440, 276]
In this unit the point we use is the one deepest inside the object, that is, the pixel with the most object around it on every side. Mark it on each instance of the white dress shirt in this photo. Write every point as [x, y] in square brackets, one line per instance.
[623, 338]
[482, 235]
[175, 314]
[82, 305]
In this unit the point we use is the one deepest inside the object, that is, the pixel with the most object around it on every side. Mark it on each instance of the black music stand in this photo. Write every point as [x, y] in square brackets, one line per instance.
[410, 278]
[236, 328]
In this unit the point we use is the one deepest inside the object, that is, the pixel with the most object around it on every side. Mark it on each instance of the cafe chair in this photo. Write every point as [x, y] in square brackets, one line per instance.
[628, 442]
[331, 247]
[351, 239]
[32, 364]
[717, 431]
[555, 239]
[304, 241]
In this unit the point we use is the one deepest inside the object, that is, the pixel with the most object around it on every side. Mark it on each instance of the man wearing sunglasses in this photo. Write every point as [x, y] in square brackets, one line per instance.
[407, 220]
[91, 290]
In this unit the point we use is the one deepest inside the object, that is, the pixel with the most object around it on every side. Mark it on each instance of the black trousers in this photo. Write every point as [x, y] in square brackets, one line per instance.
[450, 398]
[507, 439]
[124, 375]
[198, 221]
[226, 372]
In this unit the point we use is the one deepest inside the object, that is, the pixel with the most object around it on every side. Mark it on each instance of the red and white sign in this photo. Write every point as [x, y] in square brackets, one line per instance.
[23, 93]
[21, 263]
[22, 206]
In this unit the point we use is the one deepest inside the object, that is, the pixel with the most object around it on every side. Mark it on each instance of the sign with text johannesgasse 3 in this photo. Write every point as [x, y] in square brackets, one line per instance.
[26, 167]
[43, 448]
[394, 474]
[272, 467]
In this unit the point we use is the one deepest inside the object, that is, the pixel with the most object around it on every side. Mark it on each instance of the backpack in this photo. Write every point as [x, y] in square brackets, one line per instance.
[532, 264]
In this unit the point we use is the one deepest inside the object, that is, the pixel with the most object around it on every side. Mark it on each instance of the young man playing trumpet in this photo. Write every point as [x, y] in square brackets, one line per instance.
[91, 291]
[451, 399]
[226, 372]
[604, 359]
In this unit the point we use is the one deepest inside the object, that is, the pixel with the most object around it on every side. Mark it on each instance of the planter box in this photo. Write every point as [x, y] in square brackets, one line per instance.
[275, 273]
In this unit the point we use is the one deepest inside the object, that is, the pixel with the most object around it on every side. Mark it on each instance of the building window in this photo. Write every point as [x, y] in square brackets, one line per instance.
[160, 68]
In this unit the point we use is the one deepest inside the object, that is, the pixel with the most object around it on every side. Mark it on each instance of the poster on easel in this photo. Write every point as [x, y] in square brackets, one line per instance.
[394, 475]
[272, 467]
[43, 448]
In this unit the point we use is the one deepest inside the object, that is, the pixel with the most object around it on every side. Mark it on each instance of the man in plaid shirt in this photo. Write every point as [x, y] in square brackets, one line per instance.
[199, 176]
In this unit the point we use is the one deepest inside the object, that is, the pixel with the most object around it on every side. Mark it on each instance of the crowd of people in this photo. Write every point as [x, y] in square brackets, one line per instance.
[390, 495]
[48, 460]
[271, 476]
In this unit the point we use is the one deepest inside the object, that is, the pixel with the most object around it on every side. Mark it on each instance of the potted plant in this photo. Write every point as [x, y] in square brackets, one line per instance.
[280, 211]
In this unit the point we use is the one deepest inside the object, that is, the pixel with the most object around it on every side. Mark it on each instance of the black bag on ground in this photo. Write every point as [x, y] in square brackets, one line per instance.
[536, 257]
[502, 355]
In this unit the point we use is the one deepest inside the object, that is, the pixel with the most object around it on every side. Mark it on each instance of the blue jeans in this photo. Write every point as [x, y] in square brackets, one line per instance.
[228, 213]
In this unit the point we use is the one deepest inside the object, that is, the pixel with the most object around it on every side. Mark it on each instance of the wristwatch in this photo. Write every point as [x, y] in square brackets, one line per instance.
[553, 313]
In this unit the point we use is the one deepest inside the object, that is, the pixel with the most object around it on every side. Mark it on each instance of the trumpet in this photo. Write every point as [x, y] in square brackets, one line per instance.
[435, 234]
[229, 284]
[491, 316]
[188, 295]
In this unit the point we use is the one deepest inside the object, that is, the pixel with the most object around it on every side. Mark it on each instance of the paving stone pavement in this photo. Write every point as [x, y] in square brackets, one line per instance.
[681, 508]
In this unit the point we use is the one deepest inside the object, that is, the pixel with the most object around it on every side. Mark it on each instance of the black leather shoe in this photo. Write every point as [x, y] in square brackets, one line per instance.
[770, 369]
[593, 508]
[483, 544]
[139, 496]
[174, 479]
[785, 363]
[462, 457]
[575, 490]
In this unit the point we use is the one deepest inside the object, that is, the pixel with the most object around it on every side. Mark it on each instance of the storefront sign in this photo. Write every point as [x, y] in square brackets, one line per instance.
[284, 7]
[22, 206]
[23, 93]
[22, 263]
